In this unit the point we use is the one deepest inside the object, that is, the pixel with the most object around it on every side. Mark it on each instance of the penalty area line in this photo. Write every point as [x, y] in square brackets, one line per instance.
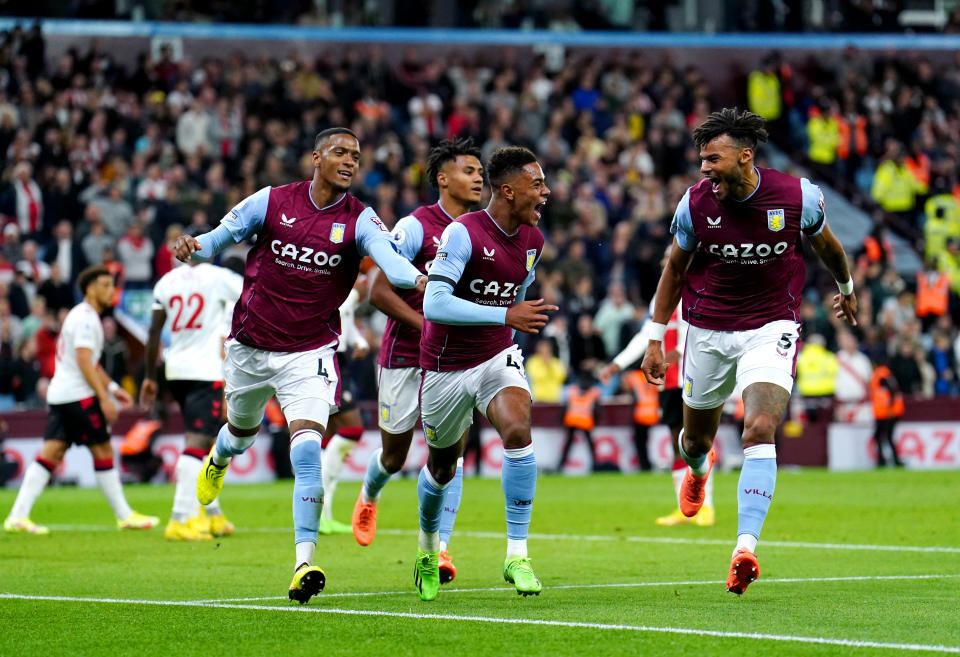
[785, 638]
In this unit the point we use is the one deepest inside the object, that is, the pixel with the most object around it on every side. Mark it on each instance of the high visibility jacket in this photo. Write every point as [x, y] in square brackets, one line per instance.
[646, 408]
[852, 138]
[580, 407]
[937, 229]
[824, 135]
[933, 293]
[886, 404]
[816, 371]
[763, 95]
[894, 188]
[950, 266]
[919, 168]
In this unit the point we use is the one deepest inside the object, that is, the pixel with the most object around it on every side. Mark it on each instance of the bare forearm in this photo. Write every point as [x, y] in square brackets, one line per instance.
[831, 254]
[386, 300]
[150, 359]
[95, 377]
[668, 293]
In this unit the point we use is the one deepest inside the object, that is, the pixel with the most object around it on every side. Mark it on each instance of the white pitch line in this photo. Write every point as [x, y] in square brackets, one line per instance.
[615, 585]
[852, 643]
[599, 538]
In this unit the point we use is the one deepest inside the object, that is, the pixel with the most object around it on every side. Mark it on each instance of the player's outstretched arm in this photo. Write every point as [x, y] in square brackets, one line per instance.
[374, 240]
[828, 248]
[666, 299]
[633, 352]
[237, 225]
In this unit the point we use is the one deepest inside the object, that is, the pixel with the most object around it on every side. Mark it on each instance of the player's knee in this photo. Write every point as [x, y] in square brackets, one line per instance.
[443, 473]
[392, 461]
[516, 435]
[759, 428]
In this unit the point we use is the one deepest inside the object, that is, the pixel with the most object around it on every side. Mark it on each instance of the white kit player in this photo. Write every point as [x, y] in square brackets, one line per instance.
[193, 301]
[83, 403]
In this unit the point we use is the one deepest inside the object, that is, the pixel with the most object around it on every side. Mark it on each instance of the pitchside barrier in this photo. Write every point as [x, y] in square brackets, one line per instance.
[927, 438]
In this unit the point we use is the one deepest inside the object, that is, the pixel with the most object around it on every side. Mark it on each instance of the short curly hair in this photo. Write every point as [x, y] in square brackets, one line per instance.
[506, 162]
[447, 151]
[743, 127]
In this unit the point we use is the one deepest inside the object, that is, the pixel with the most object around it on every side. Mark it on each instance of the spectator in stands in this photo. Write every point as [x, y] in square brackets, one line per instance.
[27, 202]
[116, 213]
[546, 373]
[115, 355]
[135, 252]
[64, 251]
[586, 347]
[614, 312]
[56, 292]
[944, 365]
[852, 383]
[816, 378]
[905, 367]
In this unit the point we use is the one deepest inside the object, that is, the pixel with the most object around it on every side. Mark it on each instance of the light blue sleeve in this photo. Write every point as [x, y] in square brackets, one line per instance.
[439, 303]
[812, 217]
[244, 220]
[373, 239]
[407, 236]
[682, 225]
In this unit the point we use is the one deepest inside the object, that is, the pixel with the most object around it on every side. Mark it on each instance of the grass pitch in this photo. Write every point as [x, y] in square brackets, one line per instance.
[850, 564]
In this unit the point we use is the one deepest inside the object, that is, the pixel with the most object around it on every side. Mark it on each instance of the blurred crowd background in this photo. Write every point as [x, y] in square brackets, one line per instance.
[110, 163]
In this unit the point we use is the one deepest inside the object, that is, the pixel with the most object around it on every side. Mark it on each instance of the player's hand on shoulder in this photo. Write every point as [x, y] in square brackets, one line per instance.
[607, 372]
[653, 366]
[846, 307]
[528, 316]
[184, 247]
[148, 393]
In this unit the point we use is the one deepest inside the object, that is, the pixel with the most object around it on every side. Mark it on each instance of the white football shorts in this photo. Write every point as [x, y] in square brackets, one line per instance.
[306, 383]
[399, 398]
[715, 362]
[447, 399]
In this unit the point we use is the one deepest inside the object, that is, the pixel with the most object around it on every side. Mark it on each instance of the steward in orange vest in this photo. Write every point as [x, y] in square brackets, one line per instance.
[580, 416]
[933, 293]
[887, 407]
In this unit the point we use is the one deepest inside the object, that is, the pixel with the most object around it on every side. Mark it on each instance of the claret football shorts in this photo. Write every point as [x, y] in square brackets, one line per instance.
[714, 362]
[447, 399]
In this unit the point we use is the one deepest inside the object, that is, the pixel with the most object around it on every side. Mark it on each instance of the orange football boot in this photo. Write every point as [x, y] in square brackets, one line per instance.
[743, 570]
[692, 488]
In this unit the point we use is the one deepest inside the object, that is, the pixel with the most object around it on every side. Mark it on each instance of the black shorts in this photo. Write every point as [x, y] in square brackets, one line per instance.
[348, 397]
[78, 423]
[671, 407]
[201, 403]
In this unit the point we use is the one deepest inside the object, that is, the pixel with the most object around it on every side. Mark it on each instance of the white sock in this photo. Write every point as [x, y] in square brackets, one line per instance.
[334, 456]
[213, 509]
[678, 476]
[516, 547]
[35, 479]
[443, 546]
[748, 541]
[429, 542]
[185, 504]
[708, 492]
[305, 552]
[109, 482]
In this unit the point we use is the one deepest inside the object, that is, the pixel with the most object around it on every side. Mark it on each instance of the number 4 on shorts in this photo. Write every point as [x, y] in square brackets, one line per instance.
[513, 363]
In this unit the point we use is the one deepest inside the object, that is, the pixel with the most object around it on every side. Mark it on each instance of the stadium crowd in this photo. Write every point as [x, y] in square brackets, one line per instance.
[103, 163]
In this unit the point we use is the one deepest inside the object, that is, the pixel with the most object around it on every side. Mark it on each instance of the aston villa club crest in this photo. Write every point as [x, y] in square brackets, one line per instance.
[531, 256]
[336, 233]
[385, 412]
[775, 220]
